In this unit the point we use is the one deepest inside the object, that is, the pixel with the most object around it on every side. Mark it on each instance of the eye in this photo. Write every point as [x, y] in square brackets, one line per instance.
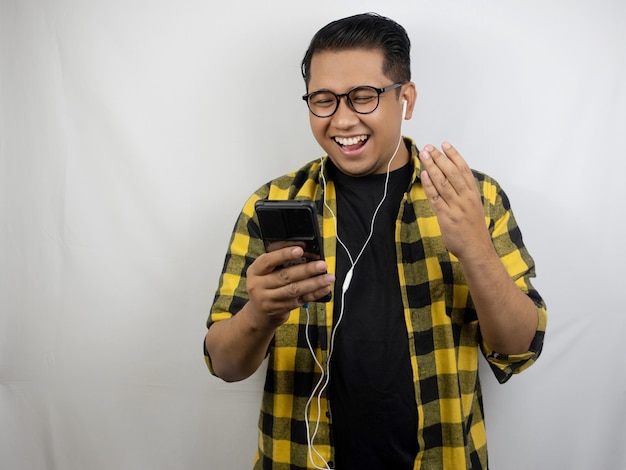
[322, 99]
[363, 95]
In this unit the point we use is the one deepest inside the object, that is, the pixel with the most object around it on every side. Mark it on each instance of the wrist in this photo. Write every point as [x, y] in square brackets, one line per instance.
[259, 322]
[479, 253]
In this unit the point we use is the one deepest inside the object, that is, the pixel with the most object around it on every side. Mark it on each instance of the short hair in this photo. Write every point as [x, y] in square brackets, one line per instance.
[365, 31]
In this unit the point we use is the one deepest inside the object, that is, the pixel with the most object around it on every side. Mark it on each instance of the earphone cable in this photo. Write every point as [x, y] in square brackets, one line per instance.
[325, 375]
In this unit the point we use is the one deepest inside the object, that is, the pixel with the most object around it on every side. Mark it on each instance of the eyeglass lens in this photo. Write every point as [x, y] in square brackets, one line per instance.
[363, 100]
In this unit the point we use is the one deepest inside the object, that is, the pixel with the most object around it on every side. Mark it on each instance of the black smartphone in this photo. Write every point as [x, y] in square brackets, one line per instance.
[291, 222]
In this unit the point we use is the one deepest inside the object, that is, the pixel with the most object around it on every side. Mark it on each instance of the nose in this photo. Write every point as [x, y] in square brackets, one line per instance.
[345, 116]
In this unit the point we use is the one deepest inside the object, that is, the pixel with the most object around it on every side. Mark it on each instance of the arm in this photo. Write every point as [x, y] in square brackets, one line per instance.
[237, 345]
[507, 316]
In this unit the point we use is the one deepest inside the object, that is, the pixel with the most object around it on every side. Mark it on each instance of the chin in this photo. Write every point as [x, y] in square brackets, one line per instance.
[355, 169]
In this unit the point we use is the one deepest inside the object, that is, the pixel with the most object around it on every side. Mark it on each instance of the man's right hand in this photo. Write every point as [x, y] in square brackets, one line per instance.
[275, 292]
[237, 346]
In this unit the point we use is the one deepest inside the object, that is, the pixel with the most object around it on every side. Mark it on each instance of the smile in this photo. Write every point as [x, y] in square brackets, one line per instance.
[345, 141]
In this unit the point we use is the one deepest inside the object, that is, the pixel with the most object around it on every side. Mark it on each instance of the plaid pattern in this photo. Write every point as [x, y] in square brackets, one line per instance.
[444, 336]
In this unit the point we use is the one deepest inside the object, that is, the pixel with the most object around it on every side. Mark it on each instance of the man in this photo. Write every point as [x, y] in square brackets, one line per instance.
[426, 266]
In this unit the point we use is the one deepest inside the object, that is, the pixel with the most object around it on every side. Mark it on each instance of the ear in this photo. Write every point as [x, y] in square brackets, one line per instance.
[410, 95]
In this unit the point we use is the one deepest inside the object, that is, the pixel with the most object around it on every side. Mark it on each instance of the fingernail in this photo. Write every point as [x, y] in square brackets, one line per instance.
[428, 148]
[425, 155]
[446, 145]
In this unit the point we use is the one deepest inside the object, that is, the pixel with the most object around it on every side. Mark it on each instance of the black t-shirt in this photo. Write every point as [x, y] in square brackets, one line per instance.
[372, 399]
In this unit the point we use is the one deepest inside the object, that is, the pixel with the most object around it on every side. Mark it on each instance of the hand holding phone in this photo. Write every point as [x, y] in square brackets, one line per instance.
[291, 223]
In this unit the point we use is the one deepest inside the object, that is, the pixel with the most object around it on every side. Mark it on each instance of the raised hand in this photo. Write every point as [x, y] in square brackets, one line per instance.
[453, 194]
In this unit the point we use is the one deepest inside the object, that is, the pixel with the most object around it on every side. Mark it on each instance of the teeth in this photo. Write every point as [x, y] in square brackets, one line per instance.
[350, 140]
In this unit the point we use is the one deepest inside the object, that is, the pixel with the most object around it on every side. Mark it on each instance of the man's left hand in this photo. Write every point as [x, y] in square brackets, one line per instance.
[451, 189]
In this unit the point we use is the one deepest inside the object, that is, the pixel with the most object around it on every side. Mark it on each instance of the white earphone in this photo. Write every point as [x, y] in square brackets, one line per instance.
[404, 109]
[324, 380]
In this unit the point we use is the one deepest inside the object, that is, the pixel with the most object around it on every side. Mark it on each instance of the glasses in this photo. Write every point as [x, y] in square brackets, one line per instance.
[361, 99]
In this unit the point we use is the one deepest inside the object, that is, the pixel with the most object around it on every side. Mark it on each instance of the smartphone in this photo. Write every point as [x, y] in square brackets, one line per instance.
[291, 222]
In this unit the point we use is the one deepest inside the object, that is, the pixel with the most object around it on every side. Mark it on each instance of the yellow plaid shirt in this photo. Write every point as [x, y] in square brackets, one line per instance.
[442, 327]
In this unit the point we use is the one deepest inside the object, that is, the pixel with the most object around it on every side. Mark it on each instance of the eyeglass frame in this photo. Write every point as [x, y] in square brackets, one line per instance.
[379, 91]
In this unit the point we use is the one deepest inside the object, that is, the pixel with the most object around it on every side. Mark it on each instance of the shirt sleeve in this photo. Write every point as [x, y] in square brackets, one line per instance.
[508, 242]
[244, 247]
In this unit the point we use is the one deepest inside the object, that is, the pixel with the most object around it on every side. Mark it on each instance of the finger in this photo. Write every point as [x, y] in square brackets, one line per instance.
[277, 245]
[268, 262]
[306, 290]
[273, 297]
[435, 183]
[319, 293]
[443, 172]
[429, 189]
[434, 164]
[456, 177]
[459, 162]
[300, 271]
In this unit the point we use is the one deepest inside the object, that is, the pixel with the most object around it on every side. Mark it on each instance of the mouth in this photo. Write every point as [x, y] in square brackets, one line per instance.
[351, 143]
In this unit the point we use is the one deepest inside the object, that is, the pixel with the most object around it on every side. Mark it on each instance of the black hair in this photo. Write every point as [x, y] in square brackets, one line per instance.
[365, 31]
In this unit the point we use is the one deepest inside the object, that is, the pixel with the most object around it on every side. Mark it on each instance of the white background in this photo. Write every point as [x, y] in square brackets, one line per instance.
[131, 132]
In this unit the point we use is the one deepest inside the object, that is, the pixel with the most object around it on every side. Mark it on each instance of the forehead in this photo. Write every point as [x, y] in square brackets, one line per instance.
[341, 70]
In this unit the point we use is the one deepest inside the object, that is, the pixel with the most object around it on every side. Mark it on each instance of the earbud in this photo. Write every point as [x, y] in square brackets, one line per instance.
[403, 109]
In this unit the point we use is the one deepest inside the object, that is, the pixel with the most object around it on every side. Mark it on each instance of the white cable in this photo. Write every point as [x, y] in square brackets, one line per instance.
[310, 445]
[346, 284]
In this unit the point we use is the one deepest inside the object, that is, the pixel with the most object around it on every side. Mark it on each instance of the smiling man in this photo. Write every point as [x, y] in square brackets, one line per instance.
[427, 270]
[358, 144]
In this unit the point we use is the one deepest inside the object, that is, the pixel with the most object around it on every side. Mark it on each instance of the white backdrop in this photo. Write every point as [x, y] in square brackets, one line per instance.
[132, 131]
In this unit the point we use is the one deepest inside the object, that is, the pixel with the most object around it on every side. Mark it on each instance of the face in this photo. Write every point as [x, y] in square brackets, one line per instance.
[359, 144]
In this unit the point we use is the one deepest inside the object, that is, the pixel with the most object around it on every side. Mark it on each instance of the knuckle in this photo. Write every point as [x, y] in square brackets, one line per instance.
[283, 275]
[260, 265]
[293, 289]
[265, 305]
